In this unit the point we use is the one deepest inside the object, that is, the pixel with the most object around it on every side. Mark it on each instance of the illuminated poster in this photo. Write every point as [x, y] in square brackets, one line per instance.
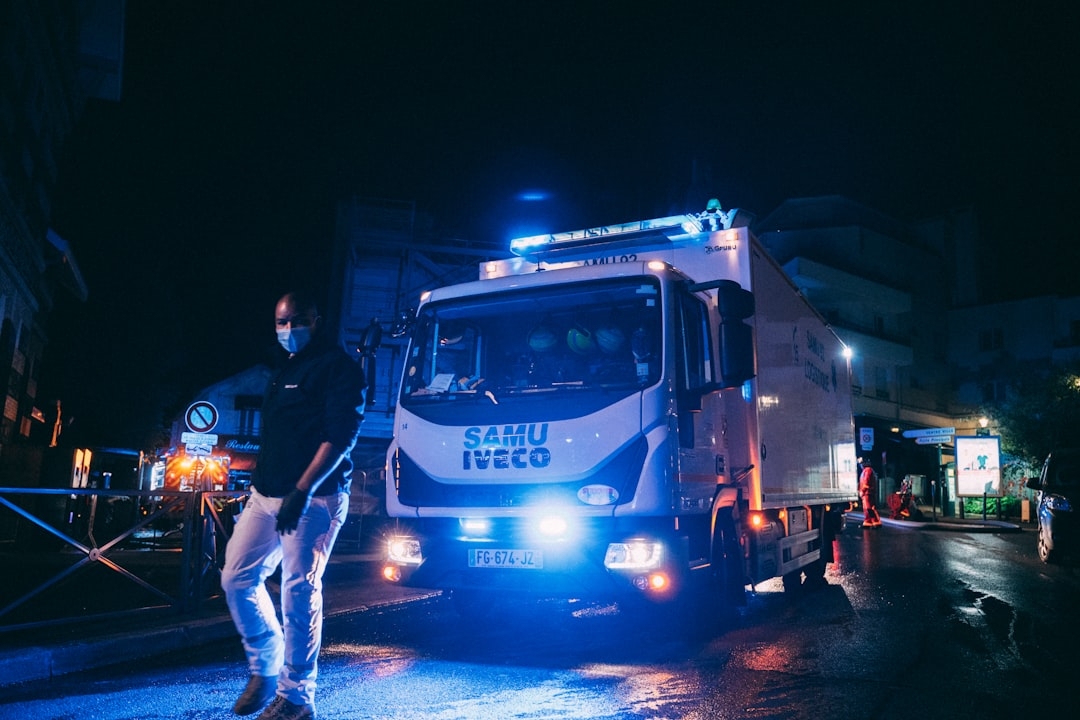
[978, 466]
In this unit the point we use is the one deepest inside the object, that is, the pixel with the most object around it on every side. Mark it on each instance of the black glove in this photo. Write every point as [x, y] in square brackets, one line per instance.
[293, 506]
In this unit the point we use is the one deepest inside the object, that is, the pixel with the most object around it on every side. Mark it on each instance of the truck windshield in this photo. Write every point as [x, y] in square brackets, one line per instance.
[563, 338]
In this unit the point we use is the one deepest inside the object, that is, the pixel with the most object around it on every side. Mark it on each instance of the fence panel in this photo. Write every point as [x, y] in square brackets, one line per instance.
[84, 554]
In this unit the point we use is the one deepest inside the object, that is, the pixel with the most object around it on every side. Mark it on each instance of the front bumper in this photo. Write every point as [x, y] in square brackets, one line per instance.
[508, 559]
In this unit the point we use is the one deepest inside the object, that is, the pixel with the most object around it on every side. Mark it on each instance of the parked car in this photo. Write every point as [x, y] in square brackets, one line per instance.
[1058, 486]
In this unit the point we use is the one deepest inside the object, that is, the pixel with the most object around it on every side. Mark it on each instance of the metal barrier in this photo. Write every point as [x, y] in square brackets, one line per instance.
[73, 555]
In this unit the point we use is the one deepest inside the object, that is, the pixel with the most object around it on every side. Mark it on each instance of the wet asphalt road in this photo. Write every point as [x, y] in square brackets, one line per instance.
[912, 624]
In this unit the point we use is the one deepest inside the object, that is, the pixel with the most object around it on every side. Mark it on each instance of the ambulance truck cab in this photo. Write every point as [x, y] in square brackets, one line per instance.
[617, 413]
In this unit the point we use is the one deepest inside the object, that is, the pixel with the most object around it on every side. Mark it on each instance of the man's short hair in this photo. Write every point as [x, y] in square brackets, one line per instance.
[303, 301]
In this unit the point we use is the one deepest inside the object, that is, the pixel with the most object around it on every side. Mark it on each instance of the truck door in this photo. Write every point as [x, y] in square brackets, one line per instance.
[698, 422]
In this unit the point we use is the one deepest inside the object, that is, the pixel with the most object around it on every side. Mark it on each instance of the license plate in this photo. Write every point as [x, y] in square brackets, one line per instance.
[513, 559]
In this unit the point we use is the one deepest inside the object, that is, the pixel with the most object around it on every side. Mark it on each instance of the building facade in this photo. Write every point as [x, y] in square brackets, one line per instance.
[54, 56]
[387, 254]
[885, 287]
[990, 345]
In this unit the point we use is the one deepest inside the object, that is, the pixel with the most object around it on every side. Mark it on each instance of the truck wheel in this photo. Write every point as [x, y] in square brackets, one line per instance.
[728, 577]
[792, 581]
[815, 574]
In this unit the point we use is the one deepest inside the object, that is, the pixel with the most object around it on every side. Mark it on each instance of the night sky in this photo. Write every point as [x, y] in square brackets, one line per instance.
[210, 189]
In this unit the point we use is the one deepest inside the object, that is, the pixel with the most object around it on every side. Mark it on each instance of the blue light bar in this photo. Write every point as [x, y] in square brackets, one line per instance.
[668, 226]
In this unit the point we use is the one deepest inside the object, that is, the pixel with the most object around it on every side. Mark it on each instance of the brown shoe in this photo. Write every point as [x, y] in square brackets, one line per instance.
[259, 691]
[282, 709]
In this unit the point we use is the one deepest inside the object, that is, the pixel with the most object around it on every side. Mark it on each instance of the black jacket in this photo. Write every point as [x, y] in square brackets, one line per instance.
[316, 396]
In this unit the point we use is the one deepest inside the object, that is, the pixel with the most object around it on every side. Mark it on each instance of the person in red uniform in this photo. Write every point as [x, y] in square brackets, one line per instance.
[868, 493]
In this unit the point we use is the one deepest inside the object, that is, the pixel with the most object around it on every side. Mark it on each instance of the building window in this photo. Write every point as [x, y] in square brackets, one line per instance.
[249, 407]
[881, 383]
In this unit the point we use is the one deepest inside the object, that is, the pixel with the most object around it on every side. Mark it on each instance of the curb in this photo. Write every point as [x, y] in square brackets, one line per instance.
[981, 526]
[954, 525]
[41, 663]
[46, 663]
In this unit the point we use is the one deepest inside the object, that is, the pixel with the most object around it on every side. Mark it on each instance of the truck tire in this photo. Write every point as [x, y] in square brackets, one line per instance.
[815, 574]
[815, 571]
[729, 580]
[792, 581]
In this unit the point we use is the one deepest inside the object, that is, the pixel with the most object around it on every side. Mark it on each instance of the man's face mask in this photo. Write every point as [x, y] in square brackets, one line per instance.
[294, 339]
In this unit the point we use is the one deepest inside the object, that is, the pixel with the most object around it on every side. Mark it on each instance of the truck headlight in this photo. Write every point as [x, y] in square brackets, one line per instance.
[552, 526]
[633, 555]
[404, 550]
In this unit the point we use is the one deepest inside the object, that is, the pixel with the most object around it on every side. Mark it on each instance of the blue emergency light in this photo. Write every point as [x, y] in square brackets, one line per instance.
[668, 227]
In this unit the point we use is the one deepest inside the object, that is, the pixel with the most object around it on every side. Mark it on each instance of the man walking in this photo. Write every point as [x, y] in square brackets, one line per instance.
[311, 416]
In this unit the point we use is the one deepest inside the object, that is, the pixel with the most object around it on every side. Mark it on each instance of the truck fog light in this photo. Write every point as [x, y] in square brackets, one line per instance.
[653, 582]
[391, 573]
[404, 550]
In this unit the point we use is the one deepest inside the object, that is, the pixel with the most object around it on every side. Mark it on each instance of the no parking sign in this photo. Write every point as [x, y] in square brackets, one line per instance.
[866, 439]
[201, 417]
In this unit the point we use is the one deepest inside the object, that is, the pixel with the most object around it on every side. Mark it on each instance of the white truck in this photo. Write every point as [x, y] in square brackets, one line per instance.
[617, 413]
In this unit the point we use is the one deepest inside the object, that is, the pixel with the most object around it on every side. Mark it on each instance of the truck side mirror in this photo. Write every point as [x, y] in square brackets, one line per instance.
[370, 341]
[736, 337]
[1034, 483]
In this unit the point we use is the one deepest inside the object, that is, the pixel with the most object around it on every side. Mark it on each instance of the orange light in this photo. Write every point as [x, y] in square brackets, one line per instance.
[658, 581]
[756, 520]
[391, 573]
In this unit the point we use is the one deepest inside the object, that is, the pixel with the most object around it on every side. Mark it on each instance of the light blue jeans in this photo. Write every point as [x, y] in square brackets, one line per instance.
[251, 556]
